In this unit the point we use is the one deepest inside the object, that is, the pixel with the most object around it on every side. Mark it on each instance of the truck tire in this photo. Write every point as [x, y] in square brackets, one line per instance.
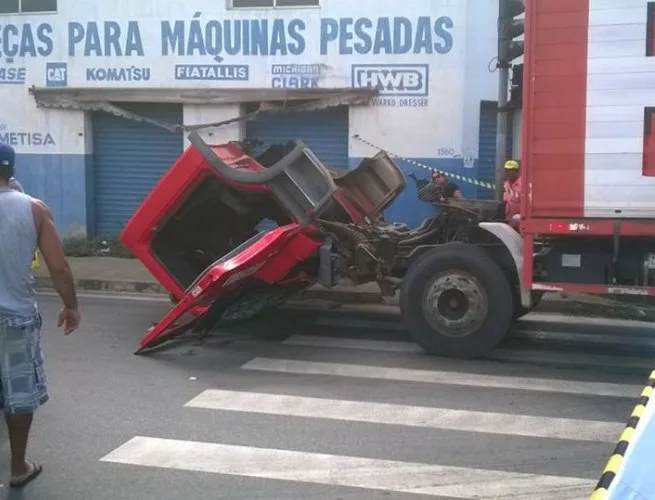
[456, 302]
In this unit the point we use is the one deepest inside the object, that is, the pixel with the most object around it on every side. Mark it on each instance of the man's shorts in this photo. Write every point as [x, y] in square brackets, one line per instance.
[23, 384]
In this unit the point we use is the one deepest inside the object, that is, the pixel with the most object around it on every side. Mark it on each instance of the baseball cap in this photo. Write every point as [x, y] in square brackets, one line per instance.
[7, 155]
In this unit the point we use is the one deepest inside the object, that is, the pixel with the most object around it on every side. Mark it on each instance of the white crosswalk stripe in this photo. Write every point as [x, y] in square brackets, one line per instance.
[415, 416]
[275, 365]
[385, 475]
[391, 475]
[499, 354]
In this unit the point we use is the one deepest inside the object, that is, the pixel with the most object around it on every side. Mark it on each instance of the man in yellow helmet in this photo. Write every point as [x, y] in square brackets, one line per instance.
[512, 195]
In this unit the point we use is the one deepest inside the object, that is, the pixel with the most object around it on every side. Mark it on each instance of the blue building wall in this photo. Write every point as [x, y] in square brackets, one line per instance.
[61, 181]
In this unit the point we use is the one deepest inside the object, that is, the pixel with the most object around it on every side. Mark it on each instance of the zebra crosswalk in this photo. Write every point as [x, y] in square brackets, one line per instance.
[319, 468]
[546, 452]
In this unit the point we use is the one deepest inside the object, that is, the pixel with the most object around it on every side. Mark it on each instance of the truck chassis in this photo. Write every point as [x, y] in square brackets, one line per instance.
[457, 274]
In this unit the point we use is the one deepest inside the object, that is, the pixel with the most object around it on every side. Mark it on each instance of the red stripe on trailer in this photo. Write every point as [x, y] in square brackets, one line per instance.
[588, 227]
[648, 166]
[554, 111]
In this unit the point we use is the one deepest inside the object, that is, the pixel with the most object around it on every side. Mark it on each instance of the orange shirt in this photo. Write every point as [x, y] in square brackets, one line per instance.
[512, 197]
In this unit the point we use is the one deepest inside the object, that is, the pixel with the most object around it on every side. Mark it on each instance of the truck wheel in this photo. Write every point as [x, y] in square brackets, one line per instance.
[456, 302]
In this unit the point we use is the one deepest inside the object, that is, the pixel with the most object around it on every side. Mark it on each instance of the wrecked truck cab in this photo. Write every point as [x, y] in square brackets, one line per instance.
[228, 235]
[195, 215]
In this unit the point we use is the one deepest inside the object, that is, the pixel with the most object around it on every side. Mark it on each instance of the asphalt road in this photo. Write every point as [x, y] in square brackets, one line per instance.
[328, 408]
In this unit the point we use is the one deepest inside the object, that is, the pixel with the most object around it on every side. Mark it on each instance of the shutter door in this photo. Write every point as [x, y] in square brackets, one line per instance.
[325, 132]
[129, 157]
[487, 147]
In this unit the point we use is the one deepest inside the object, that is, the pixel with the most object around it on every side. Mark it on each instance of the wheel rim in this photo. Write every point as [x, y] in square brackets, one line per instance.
[455, 303]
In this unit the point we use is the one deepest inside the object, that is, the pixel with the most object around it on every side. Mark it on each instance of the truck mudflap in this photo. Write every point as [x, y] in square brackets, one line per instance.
[267, 258]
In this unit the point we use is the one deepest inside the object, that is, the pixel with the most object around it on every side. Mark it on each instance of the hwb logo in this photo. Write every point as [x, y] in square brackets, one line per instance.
[392, 80]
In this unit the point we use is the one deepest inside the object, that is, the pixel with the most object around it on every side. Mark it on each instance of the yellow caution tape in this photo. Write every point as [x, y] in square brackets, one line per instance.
[451, 175]
[599, 494]
[616, 461]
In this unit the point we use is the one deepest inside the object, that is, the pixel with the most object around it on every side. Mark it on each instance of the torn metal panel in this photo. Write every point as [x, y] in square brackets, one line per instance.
[271, 101]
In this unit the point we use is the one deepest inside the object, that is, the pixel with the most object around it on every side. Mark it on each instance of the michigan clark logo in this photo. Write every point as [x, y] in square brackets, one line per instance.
[400, 80]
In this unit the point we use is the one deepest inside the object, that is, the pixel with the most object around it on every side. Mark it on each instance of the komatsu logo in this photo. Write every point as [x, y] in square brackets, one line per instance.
[392, 80]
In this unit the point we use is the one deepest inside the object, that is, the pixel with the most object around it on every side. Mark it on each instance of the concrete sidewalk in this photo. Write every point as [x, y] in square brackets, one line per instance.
[116, 275]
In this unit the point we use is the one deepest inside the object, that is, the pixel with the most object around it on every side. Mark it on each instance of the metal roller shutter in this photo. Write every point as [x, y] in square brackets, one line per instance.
[324, 131]
[129, 157]
[487, 147]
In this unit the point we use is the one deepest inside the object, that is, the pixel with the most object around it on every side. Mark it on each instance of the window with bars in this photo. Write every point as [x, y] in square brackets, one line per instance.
[27, 6]
[253, 4]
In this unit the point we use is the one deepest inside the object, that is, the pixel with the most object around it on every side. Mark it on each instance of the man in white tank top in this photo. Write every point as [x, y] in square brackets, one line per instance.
[26, 224]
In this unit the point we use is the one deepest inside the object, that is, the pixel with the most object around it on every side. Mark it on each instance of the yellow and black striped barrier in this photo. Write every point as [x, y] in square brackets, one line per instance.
[451, 175]
[617, 460]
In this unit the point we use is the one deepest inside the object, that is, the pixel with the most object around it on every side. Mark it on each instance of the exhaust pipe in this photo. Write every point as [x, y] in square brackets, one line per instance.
[240, 176]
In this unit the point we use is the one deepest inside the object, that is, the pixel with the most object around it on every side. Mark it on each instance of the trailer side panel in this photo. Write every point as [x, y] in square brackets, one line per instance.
[555, 90]
[589, 109]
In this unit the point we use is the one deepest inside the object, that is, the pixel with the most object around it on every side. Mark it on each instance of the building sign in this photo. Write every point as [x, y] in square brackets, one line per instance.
[19, 41]
[204, 36]
[212, 72]
[399, 85]
[25, 138]
[127, 74]
[108, 38]
[56, 74]
[12, 74]
[296, 76]
[386, 35]
[26, 40]
[231, 37]
[271, 37]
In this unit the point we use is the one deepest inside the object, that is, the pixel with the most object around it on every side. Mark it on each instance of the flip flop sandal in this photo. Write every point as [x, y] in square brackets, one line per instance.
[37, 469]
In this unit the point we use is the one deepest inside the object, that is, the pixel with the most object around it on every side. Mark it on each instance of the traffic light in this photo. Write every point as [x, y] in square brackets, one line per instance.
[516, 86]
[509, 27]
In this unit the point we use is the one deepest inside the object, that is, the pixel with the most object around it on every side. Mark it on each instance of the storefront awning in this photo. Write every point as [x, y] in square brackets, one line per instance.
[270, 100]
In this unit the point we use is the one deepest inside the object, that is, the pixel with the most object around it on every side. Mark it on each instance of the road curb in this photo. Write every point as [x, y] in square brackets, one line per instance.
[95, 285]
[318, 297]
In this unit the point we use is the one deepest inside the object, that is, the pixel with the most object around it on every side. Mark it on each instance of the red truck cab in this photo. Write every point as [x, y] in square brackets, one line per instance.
[229, 235]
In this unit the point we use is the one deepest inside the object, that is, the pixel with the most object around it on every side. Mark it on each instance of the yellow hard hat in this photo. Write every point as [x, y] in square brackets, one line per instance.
[511, 165]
